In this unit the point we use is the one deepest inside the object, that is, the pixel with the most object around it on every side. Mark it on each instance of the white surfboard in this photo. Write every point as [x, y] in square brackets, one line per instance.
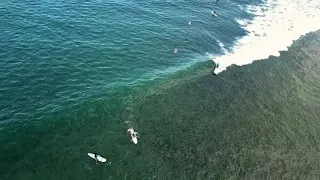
[99, 158]
[213, 14]
[133, 136]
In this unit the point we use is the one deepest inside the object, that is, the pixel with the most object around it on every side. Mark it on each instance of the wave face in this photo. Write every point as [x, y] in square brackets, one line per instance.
[276, 24]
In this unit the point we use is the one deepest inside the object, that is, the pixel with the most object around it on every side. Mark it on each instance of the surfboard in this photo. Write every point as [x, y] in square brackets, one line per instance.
[213, 14]
[99, 158]
[134, 138]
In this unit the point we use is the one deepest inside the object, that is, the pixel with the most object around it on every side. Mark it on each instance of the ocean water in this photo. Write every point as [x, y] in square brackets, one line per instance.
[75, 75]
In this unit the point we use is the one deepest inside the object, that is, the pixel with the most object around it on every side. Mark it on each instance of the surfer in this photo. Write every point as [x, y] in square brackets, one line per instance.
[217, 66]
[96, 157]
[214, 13]
[135, 134]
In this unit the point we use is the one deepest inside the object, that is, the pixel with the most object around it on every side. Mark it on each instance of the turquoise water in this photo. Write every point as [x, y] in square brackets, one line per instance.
[64, 53]
[74, 76]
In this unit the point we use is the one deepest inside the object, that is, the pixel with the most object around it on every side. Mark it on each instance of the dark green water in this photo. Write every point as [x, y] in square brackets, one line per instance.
[75, 75]
[259, 121]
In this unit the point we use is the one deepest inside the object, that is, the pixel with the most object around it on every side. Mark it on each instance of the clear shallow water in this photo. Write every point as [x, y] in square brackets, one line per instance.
[69, 86]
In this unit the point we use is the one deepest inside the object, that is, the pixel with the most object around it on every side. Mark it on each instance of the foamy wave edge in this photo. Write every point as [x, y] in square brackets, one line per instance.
[277, 23]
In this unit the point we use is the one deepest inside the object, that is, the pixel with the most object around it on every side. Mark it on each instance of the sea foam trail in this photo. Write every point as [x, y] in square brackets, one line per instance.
[275, 25]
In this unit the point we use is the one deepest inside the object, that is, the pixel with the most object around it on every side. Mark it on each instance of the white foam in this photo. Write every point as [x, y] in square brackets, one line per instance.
[276, 24]
[221, 45]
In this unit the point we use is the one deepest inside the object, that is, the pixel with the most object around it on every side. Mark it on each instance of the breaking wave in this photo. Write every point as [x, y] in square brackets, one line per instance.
[276, 24]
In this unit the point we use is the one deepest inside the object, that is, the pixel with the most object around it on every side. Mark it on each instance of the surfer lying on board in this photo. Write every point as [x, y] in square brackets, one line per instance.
[135, 134]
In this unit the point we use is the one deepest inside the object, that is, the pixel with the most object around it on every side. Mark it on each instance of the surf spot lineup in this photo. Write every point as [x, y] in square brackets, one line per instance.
[134, 135]
[134, 138]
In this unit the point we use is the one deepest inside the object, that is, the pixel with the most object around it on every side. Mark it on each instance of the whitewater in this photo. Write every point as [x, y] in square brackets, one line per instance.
[276, 24]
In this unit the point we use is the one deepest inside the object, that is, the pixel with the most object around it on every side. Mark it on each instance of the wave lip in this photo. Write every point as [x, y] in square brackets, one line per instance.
[277, 23]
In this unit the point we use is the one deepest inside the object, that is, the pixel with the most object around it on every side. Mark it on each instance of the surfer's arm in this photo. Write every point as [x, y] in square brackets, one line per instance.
[137, 135]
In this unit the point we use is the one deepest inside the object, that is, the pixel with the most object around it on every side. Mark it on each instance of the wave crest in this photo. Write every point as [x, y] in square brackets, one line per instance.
[277, 23]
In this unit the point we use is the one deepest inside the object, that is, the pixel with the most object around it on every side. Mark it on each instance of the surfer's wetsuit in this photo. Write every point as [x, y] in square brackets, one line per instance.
[96, 157]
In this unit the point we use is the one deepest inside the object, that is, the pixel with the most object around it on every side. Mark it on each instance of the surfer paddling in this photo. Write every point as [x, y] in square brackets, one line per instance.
[134, 135]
